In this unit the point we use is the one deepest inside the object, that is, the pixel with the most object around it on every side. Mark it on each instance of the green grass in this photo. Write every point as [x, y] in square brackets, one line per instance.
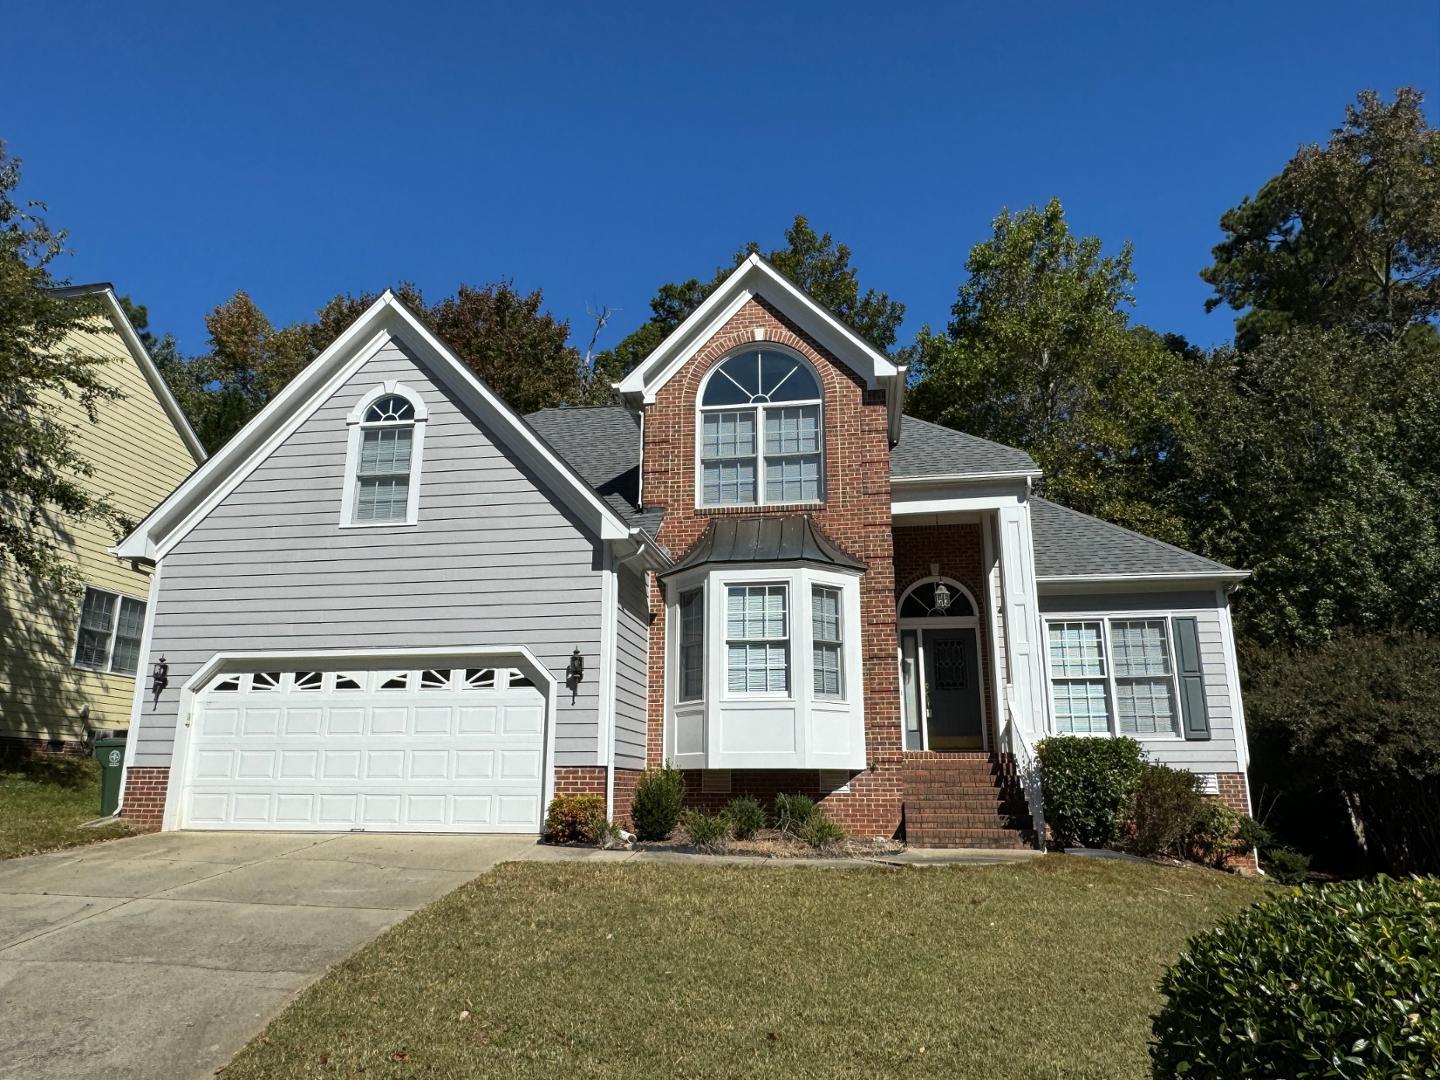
[44, 800]
[1033, 970]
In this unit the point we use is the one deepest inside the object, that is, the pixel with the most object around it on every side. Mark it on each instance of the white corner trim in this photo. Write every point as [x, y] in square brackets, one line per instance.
[142, 682]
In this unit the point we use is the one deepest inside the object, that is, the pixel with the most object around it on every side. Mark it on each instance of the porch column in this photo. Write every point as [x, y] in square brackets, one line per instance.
[1024, 638]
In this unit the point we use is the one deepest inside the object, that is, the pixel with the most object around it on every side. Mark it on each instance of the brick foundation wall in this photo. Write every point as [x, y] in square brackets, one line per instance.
[143, 803]
[20, 747]
[1234, 794]
[580, 780]
[959, 551]
[855, 514]
[869, 808]
[625, 781]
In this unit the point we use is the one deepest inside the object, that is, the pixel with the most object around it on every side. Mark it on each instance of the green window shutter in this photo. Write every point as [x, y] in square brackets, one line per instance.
[1193, 709]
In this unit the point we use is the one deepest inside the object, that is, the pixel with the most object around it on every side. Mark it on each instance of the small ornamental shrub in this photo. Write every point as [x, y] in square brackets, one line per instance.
[571, 818]
[1333, 981]
[746, 817]
[1251, 834]
[1213, 839]
[820, 832]
[1285, 865]
[1166, 808]
[708, 832]
[604, 833]
[655, 806]
[1088, 785]
[792, 812]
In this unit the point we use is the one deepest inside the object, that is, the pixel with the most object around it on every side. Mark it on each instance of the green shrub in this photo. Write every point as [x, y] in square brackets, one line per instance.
[792, 812]
[655, 807]
[1250, 834]
[1213, 839]
[1088, 785]
[1336, 981]
[571, 817]
[603, 832]
[1166, 807]
[708, 832]
[1285, 865]
[820, 832]
[746, 817]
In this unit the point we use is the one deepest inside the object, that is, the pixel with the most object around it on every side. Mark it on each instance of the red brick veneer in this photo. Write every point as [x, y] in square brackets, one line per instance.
[856, 515]
[1234, 793]
[959, 550]
[143, 802]
[580, 780]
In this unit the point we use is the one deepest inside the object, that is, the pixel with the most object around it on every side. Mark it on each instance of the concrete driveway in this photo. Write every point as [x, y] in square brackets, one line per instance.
[162, 955]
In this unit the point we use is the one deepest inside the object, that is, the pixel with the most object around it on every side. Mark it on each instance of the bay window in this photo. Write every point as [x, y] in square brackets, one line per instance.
[692, 645]
[825, 622]
[760, 432]
[757, 639]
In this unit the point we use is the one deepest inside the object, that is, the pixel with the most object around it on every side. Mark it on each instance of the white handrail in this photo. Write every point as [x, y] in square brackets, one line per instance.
[1027, 765]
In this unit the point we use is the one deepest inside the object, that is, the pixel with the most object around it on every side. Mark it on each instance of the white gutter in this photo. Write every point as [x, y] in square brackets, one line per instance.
[1121, 579]
[966, 478]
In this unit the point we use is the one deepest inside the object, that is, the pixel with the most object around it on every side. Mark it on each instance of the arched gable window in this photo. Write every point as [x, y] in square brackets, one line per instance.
[760, 434]
[382, 474]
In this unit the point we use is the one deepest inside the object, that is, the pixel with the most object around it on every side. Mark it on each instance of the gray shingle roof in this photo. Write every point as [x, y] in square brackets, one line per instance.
[777, 538]
[602, 444]
[927, 449]
[1069, 544]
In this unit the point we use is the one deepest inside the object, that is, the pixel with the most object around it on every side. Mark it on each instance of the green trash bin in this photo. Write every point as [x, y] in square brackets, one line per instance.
[110, 752]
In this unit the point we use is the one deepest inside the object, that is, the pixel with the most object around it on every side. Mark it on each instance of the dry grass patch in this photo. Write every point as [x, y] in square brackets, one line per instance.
[1040, 969]
[44, 800]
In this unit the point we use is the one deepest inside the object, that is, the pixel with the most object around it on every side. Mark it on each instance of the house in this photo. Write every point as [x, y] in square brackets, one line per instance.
[69, 659]
[392, 603]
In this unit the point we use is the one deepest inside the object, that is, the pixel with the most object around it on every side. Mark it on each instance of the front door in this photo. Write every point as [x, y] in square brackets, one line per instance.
[952, 689]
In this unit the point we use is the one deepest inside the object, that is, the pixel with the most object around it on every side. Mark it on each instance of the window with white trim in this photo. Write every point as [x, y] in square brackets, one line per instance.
[1113, 676]
[692, 645]
[825, 623]
[757, 639]
[111, 626]
[382, 475]
[760, 432]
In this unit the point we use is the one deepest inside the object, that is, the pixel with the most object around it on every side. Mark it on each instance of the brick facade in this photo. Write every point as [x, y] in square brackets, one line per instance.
[143, 803]
[959, 552]
[1234, 793]
[855, 514]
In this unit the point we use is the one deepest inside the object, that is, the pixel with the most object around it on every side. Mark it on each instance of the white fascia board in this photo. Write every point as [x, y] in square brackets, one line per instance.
[753, 276]
[964, 478]
[1087, 582]
[152, 375]
[193, 499]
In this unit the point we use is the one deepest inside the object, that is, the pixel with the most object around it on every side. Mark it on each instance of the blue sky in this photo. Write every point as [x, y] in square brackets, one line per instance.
[598, 150]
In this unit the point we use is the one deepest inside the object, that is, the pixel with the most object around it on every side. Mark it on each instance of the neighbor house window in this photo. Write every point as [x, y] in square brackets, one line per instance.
[383, 463]
[692, 645]
[760, 440]
[110, 629]
[1112, 676]
[757, 639]
[825, 630]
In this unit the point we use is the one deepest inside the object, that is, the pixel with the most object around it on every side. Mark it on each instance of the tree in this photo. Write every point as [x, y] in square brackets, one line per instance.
[812, 261]
[1348, 235]
[1312, 461]
[502, 335]
[42, 472]
[1040, 354]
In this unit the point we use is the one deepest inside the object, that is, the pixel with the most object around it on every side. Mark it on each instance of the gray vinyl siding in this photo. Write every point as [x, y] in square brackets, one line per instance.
[492, 561]
[1219, 753]
[632, 676]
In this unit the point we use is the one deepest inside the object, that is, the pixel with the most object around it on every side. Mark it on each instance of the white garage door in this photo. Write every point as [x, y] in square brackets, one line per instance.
[439, 750]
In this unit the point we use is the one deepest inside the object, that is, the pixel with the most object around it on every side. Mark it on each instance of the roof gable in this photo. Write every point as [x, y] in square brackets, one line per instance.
[385, 319]
[756, 277]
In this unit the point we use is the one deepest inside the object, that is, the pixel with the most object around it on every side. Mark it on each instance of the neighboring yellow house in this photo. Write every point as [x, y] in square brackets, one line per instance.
[68, 659]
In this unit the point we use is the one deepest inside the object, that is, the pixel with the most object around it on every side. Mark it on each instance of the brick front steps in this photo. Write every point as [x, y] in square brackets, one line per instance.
[964, 799]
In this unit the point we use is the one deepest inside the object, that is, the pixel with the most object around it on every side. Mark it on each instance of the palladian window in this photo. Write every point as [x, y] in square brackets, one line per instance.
[760, 432]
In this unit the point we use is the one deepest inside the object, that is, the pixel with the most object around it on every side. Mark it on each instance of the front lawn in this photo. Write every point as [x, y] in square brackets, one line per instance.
[1038, 969]
[43, 800]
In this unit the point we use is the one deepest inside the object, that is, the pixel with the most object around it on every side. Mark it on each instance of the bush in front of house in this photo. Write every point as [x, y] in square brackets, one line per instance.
[1088, 785]
[746, 816]
[571, 818]
[708, 832]
[791, 812]
[1165, 810]
[820, 831]
[656, 804]
[1332, 981]
[1215, 835]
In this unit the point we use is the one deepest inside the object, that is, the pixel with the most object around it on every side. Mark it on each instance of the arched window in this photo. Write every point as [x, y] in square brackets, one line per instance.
[936, 599]
[760, 432]
[383, 463]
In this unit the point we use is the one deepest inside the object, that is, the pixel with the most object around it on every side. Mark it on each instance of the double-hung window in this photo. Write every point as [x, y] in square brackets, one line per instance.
[760, 437]
[825, 627]
[692, 645]
[387, 440]
[1112, 676]
[757, 639]
[110, 629]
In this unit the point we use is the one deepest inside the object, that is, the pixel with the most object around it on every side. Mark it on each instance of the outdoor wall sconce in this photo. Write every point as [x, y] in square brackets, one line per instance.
[159, 678]
[575, 673]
